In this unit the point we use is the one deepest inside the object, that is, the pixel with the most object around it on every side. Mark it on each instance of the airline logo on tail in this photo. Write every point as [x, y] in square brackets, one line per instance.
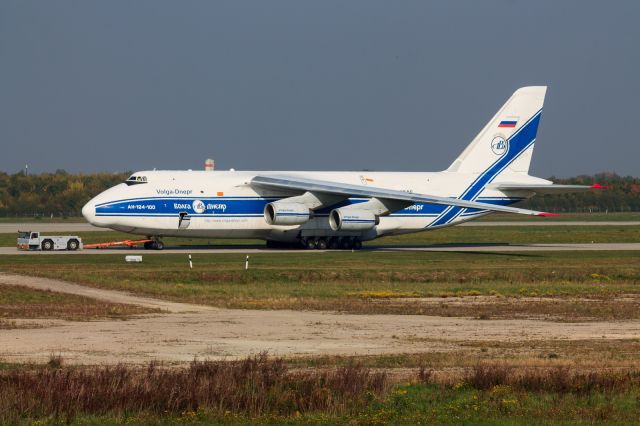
[498, 145]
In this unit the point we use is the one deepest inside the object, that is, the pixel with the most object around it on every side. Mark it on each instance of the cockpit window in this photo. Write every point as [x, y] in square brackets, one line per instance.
[136, 180]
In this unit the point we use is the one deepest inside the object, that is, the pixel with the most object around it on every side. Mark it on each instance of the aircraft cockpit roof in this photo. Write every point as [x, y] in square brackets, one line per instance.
[136, 179]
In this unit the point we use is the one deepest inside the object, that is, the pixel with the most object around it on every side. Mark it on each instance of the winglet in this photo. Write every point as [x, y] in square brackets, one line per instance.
[544, 214]
[598, 186]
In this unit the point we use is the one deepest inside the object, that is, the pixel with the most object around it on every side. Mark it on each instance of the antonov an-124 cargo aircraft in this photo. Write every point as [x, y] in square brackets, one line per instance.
[336, 210]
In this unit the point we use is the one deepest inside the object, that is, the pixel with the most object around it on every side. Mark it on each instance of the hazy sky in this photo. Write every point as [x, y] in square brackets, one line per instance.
[323, 85]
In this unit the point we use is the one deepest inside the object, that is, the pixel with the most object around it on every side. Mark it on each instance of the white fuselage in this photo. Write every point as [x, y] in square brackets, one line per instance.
[223, 204]
[321, 206]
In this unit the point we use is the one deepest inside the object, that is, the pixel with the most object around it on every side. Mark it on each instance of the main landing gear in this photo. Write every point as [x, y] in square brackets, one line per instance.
[320, 243]
[332, 243]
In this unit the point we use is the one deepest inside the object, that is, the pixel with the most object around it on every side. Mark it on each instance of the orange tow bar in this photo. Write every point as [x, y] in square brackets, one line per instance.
[128, 243]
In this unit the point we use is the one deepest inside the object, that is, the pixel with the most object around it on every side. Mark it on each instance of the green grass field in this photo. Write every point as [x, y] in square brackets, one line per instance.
[26, 303]
[568, 217]
[414, 404]
[517, 235]
[370, 282]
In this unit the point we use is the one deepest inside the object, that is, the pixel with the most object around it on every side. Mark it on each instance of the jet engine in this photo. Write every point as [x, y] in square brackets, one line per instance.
[352, 220]
[278, 213]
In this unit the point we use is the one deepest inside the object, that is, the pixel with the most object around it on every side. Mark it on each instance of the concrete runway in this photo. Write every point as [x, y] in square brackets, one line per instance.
[253, 249]
[8, 228]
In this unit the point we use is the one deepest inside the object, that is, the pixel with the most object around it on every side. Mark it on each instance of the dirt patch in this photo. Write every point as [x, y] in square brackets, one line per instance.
[187, 331]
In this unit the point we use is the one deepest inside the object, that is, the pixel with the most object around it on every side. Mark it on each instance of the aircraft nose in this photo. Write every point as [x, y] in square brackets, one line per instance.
[89, 211]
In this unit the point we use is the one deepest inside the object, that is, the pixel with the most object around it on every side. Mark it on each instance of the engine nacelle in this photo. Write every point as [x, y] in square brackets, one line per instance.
[278, 213]
[352, 220]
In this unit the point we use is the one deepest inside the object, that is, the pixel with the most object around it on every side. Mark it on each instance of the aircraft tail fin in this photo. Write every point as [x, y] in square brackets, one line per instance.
[506, 142]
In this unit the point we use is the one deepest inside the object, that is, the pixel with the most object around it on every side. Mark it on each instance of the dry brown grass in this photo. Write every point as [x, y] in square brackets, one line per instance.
[559, 379]
[255, 386]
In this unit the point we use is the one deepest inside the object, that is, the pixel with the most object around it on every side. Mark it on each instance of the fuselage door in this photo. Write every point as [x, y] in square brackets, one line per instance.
[184, 221]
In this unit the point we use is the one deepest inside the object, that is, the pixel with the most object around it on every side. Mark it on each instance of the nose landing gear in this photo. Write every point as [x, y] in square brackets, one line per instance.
[155, 244]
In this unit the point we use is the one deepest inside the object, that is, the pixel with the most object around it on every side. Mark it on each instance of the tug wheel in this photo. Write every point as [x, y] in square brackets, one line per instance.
[73, 245]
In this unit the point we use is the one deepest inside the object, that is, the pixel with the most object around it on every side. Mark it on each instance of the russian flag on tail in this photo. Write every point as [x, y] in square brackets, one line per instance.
[508, 123]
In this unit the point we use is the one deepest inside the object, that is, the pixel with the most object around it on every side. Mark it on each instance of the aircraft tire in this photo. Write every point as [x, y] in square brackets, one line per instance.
[272, 244]
[334, 243]
[321, 244]
[310, 243]
[158, 245]
[346, 243]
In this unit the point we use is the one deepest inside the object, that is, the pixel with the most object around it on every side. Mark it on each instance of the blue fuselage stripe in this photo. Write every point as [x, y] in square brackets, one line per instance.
[168, 207]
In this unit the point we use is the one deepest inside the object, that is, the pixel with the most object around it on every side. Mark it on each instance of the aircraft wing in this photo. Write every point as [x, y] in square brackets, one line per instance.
[348, 190]
[546, 189]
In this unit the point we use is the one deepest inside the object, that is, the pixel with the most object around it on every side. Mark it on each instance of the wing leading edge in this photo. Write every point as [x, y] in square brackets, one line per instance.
[348, 190]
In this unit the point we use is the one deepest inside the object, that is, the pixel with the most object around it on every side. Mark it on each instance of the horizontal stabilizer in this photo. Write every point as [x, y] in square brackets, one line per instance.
[545, 189]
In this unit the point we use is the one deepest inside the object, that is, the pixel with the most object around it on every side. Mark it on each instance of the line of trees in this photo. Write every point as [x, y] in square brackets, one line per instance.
[622, 195]
[59, 194]
[62, 194]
